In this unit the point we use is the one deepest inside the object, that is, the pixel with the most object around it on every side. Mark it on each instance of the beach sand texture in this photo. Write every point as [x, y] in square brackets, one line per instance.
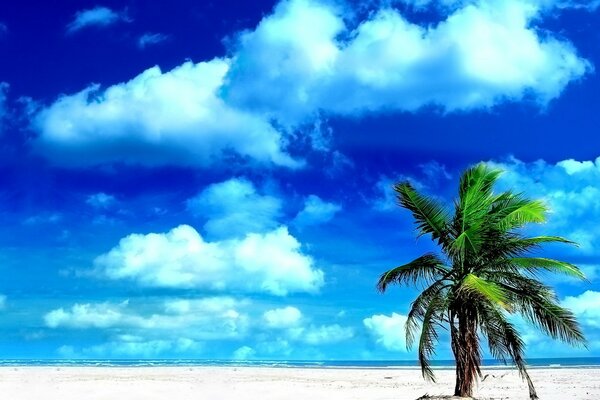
[214, 383]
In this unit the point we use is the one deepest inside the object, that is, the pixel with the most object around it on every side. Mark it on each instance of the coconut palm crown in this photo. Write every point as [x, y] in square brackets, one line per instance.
[482, 277]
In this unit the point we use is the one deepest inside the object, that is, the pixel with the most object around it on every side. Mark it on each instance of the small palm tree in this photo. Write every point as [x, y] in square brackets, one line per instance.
[482, 279]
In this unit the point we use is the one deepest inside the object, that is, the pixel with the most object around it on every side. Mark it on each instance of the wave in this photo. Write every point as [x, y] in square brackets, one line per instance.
[582, 362]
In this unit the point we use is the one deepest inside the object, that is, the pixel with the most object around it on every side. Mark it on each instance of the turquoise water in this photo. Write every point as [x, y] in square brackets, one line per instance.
[581, 362]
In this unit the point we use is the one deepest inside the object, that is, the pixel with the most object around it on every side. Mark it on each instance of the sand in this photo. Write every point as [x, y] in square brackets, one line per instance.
[256, 383]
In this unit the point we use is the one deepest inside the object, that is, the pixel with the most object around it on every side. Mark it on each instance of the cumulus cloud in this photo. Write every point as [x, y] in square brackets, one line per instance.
[286, 317]
[198, 319]
[316, 211]
[324, 334]
[128, 346]
[150, 39]
[97, 16]
[270, 263]
[291, 327]
[568, 187]
[304, 60]
[294, 64]
[235, 207]
[586, 307]
[157, 118]
[388, 331]
[187, 325]
[243, 353]
[175, 326]
[85, 316]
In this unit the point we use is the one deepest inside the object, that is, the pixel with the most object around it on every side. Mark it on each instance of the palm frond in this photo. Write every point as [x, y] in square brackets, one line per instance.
[556, 321]
[539, 305]
[514, 211]
[505, 342]
[429, 337]
[469, 241]
[515, 284]
[501, 245]
[430, 217]
[479, 178]
[419, 308]
[534, 263]
[427, 267]
[475, 191]
[477, 287]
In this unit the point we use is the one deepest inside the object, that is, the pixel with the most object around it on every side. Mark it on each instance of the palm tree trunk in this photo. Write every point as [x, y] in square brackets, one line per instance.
[465, 346]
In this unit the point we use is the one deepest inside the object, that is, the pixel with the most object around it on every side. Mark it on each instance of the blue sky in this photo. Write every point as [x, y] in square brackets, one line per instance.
[213, 180]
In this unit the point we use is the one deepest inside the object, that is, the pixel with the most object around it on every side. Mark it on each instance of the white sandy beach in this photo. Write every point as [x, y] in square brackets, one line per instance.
[253, 383]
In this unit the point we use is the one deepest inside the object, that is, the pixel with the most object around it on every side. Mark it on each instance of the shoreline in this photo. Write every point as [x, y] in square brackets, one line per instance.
[268, 383]
[284, 367]
[102, 364]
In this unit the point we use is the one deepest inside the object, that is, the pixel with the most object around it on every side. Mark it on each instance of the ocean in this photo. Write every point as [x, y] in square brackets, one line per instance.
[580, 362]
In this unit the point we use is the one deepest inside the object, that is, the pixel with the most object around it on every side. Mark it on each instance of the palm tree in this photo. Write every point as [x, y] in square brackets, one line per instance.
[482, 278]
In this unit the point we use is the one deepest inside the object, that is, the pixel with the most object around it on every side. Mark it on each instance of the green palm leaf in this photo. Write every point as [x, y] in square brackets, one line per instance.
[534, 263]
[427, 267]
[419, 307]
[430, 217]
[474, 286]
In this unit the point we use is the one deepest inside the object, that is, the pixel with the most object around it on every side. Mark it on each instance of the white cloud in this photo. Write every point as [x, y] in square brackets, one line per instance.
[101, 200]
[286, 57]
[279, 318]
[187, 325]
[270, 263]
[324, 334]
[545, 5]
[157, 118]
[316, 211]
[293, 64]
[97, 16]
[149, 330]
[586, 307]
[304, 60]
[244, 353]
[291, 327]
[573, 167]
[134, 347]
[570, 190]
[234, 207]
[87, 316]
[388, 331]
[197, 319]
[149, 39]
